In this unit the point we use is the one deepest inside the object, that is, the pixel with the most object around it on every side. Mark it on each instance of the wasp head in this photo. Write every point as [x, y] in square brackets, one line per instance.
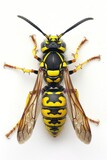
[53, 43]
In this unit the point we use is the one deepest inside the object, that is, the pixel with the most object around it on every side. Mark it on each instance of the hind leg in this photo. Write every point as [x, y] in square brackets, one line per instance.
[16, 126]
[91, 120]
[12, 130]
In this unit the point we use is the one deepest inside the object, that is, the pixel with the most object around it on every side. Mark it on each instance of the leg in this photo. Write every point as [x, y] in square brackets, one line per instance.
[16, 126]
[76, 53]
[91, 120]
[78, 48]
[12, 130]
[82, 64]
[34, 51]
[94, 121]
[22, 69]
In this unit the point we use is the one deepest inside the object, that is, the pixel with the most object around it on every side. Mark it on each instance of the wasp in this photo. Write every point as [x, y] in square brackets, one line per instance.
[53, 69]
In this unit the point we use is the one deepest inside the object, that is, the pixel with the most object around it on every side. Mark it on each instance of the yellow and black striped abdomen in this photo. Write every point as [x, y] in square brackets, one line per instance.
[54, 110]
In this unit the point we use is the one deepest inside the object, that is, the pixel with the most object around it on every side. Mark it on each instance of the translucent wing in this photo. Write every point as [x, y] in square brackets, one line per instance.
[77, 115]
[29, 116]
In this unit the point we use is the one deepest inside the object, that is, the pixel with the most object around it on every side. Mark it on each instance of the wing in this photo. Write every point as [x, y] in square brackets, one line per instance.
[77, 114]
[29, 116]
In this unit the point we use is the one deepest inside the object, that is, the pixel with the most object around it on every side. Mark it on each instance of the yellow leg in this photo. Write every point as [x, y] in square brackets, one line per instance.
[19, 68]
[78, 48]
[34, 51]
[88, 60]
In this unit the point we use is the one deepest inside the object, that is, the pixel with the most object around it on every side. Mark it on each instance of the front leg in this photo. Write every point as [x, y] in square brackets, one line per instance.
[34, 51]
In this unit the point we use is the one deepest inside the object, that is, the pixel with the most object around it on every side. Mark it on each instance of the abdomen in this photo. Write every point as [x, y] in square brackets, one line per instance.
[54, 110]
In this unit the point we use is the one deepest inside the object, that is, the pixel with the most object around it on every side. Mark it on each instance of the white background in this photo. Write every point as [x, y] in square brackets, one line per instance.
[53, 17]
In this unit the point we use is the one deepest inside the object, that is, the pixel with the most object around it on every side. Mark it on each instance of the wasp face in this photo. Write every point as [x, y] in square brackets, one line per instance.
[53, 43]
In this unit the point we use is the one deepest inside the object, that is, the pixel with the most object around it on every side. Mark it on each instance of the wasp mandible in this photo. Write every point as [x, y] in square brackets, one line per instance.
[53, 70]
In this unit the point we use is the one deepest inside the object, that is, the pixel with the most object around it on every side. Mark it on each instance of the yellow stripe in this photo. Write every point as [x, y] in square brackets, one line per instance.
[46, 57]
[51, 104]
[49, 80]
[46, 113]
[59, 129]
[47, 92]
[44, 49]
[42, 64]
[53, 72]
[57, 80]
[64, 64]
[62, 48]
[47, 122]
[58, 92]
[60, 57]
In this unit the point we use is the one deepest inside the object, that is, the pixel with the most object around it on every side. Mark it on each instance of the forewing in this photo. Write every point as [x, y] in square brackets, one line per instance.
[29, 116]
[77, 114]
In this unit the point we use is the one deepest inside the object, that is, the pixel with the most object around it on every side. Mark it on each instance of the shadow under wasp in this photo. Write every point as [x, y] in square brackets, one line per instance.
[54, 69]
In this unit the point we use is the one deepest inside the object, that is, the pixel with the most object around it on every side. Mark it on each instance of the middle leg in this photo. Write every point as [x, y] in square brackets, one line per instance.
[22, 69]
[82, 64]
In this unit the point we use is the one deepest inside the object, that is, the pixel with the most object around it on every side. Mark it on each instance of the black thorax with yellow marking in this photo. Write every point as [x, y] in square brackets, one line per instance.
[53, 62]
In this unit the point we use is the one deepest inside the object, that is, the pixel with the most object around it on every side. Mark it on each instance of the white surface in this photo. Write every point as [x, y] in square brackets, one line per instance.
[15, 48]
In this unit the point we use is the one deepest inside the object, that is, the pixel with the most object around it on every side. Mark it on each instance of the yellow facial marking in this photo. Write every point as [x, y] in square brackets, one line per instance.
[53, 38]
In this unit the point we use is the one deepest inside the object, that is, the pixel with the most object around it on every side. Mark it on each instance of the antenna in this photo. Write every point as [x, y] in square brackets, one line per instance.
[35, 26]
[75, 25]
